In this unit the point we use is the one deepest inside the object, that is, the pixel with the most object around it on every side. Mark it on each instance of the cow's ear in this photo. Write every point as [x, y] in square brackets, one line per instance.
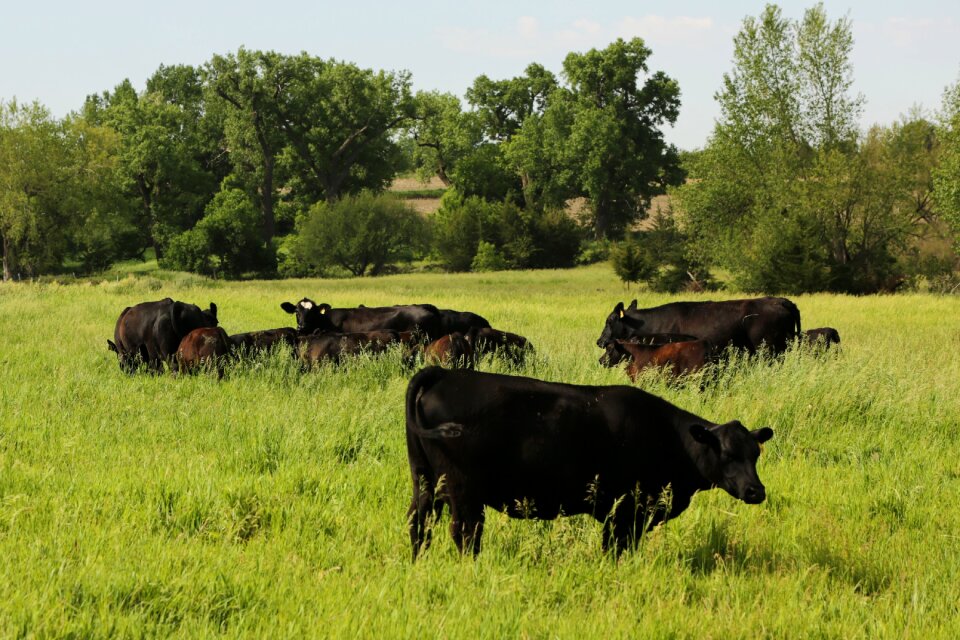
[289, 307]
[324, 307]
[633, 305]
[762, 435]
[618, 309]
[213, 309]
[703, 435]
[112, 347]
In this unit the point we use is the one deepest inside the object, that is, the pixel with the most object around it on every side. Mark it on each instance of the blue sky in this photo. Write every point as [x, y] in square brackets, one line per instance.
[58, 52]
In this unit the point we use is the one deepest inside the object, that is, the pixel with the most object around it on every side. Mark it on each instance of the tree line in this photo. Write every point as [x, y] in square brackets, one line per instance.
[260, 163]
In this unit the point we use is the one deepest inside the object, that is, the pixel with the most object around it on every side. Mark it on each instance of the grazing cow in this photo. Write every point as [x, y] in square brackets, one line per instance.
[743, 324]
[614, 353]
[537, 449]
[317, 347]
[824, 337]
[452, 321]
[682, 357]
[263, 340]
[203, 347]
[488, 340]
[453, 350]
[152, 331]
[313, 317]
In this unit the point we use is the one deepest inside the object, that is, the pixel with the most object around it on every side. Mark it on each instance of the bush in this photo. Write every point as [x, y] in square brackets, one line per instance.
[488, 258]
[362, 234]
[660, 256]
[523, 239]
[227, 241]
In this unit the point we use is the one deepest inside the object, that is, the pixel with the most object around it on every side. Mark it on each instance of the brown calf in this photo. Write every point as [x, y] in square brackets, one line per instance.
[682, 357]
[203, 347]
[452, 350]
[488, 340]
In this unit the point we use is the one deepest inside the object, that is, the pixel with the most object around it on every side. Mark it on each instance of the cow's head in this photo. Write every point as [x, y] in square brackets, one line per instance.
[210, 316]
[310, 316]
[728, 458]
[128, 361]
[619, 325]
[613, 354]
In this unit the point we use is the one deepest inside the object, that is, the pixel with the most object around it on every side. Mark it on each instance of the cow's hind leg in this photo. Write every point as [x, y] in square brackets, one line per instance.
[420, 507]
[466, 526]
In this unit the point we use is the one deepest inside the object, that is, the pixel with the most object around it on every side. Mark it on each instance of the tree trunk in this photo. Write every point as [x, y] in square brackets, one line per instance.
[8, 260]
[266, 198]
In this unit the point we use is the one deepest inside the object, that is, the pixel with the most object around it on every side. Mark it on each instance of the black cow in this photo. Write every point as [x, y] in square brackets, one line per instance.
[152, 331]
[452, 321]
[743, 324]
[313, 317]
[489, 340]
[263, 340]
[824, 337]
[317, 347]
[538, 449]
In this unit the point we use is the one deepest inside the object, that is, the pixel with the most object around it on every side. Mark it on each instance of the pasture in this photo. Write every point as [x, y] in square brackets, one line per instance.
[272, 503]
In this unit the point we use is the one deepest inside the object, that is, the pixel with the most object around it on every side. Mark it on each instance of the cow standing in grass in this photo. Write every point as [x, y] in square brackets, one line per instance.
[537, 449]
[152, 331]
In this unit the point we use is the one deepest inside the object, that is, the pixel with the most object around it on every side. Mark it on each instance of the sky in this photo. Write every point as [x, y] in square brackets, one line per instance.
[905, 53]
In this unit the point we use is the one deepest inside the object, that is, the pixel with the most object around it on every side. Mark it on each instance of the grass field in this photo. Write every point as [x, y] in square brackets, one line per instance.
[272, 503]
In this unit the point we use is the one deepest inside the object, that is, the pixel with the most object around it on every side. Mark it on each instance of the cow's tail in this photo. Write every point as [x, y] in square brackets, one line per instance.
[794, 314]
[177, 329]
[416, 421]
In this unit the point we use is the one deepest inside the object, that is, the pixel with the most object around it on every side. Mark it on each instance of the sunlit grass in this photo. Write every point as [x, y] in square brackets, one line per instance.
[272, 503]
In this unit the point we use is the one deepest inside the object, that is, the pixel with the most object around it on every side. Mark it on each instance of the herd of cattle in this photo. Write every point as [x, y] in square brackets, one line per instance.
[183, 337]
[526, 447]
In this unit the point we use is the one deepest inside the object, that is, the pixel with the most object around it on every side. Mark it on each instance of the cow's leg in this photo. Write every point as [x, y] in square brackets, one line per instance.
[466, 524]
[622, 527]
[421, 505]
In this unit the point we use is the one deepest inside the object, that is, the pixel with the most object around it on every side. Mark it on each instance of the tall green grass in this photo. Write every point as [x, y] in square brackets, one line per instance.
[272, 503]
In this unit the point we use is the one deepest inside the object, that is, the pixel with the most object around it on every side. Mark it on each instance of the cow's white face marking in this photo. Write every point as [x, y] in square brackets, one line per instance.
[306, 304]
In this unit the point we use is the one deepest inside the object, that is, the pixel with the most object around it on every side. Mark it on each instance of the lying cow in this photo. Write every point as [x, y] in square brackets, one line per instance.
[511, 345]
[318, 347]
[743, 324]
[538, 449]
[205, 347]
[453, 350]
[452, 321]
[152, 331]
[313, 317]
[263, 340]
[823, 337]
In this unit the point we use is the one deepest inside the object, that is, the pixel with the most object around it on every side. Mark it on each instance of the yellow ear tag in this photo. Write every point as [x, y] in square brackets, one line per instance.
[323, 310]
[621, 313]
[761, 447]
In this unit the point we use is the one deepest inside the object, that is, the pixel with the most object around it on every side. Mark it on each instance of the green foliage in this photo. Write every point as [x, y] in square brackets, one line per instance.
[522, 238]
[661, 257]
[363, 234]
[227, 241]
[787, 196]
[947, 173]
[488, 258]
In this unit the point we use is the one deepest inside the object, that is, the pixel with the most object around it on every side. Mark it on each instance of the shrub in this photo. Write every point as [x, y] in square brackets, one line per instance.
[362, 234]
[227, 240]
[488, 258]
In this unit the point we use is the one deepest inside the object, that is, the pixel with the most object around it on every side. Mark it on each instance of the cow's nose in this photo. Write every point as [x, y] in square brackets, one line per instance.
[755, 494]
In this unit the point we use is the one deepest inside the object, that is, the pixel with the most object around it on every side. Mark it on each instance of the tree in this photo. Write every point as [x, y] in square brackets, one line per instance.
[227, 240]
[946, 176]
[786, 195]
[169, 159]
[362, 234]
[615, 132]
[339, 122]
[244, 87]
[443, 135]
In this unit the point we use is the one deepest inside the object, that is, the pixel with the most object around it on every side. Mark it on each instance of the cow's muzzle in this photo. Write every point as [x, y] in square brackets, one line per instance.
[754, 494]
